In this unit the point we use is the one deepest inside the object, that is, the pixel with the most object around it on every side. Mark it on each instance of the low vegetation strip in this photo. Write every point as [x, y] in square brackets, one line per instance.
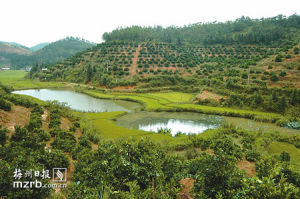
[108, 129]
[277, 148]
[176, 97]
[221, 111]
[16, 79]
[158, 102]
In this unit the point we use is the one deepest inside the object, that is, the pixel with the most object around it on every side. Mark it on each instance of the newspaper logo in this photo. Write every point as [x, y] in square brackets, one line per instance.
[59, 174]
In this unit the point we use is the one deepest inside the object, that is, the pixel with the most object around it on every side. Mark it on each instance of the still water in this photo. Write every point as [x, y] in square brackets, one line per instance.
[79, 101]
[176, 122]
[193, 122]
[184, 122]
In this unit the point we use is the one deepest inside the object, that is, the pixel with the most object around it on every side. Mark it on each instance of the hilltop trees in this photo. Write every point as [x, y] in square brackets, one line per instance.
[242, 31]
[51, 53]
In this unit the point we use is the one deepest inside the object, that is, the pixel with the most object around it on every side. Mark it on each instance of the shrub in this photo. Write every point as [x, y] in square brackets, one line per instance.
[84, 141]
[278, 58]
[64, 141]
[264, 77]
[252, 155]
[296, 50]
[5, 105]
[274, 78]
[282, 122]
[191, 153]
[285, 156]
[3, 136]
[282, 73]
[245, 75]
[164, 131]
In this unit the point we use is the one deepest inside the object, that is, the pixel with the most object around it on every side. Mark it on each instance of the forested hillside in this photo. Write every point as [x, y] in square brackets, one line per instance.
[39, 46]
[279, 30]
[51, 53]
[9, 51]
[245, 72]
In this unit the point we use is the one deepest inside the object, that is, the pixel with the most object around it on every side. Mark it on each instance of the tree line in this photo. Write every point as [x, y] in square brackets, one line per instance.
[244, 30]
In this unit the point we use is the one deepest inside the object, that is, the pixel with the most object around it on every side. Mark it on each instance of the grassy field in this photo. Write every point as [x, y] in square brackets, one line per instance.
[108, 129]
[15, 78]
[276, 148]
[171, 102]
[167, 101]
[104, 123]
[175, 97]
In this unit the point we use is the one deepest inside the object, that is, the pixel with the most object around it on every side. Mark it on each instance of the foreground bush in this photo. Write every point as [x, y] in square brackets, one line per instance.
[5, 105]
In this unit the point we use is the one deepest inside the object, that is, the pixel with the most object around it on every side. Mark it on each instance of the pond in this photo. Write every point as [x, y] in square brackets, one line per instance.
[192, 122]
[175, 121]
[184, 122]
[80, 102]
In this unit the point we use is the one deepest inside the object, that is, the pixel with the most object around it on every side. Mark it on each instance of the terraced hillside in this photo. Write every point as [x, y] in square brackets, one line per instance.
[123, 60]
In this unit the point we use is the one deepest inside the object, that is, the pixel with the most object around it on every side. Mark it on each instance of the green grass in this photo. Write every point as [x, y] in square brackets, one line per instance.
[222, 111]
[108, 129]
[276, 148]
[166, 102]
[105, 115]
[175, 97]
[148, 102]
[15, 78]
[98, 94]
[33, 99]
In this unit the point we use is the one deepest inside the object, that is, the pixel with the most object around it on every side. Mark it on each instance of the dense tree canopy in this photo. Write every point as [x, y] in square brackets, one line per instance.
[242, 31]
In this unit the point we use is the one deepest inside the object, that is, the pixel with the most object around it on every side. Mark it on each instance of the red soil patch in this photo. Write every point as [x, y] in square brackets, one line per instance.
[186, 74]
[134, 61]
[46, 120]
[208, 151]
[124, 88]
[18, 116]
[208, 95]
[186, 186]
[247, 166]
[65, 124]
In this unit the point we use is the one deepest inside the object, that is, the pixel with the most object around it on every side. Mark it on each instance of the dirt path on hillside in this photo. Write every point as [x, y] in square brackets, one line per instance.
[135, 61]
[46, 120]
[18, 116]
[247, 166]
[187, 185]
[209, 95]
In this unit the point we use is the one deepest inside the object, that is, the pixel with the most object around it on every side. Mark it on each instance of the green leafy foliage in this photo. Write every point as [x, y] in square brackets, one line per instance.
[5, 105]
[243, 30]
[51, 53]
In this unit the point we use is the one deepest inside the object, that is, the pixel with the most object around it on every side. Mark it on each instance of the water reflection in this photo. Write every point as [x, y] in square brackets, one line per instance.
[76, 101]
[193, 123]
[176, 125]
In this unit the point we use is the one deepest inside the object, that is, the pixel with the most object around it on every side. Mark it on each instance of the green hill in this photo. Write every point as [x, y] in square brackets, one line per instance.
[246, 74]
[279, 30]
[39, 46]
[116, 63]
[9, 51]
[51, 53]
[199, 51]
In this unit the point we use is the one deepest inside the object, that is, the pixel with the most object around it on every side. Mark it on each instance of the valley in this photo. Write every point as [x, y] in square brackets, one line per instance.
[201, 111]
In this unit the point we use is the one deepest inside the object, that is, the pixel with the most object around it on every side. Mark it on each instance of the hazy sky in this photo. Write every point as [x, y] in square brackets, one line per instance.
[30, 22]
